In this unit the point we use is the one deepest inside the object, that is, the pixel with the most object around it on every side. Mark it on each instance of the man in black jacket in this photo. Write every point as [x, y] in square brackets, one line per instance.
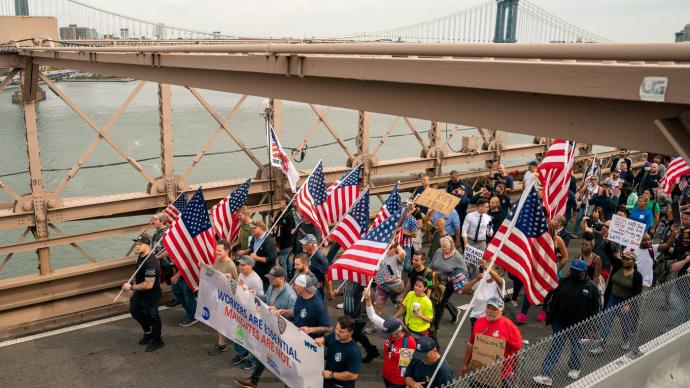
[283, 236]
[625, 284]
[620, 159]
[575, 299]
[263, 250]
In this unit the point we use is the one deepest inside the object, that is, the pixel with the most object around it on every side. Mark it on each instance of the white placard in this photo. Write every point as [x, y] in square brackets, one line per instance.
[626, 232]
[288, 353]
[473, 255]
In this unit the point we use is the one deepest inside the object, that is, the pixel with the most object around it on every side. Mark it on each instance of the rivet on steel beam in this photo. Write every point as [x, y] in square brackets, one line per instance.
[160, 187]
[180, 186]
[52, 203]
[26, 206]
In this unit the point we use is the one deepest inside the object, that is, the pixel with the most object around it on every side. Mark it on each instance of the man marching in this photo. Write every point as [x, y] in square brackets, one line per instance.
[145, 292]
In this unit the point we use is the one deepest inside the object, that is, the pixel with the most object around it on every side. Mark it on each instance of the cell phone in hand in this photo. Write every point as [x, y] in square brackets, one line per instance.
[675, 206]
[390, 270]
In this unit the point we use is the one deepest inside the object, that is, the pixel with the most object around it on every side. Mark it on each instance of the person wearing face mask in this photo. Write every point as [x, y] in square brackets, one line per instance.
[575, 299]
[625, 284]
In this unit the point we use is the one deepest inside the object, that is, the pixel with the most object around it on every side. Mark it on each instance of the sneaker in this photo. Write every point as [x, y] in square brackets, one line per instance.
[173, 302]
[455, 319]
[541, 316]
[245, 383]
[247, 365]
[370, 356]
[514, 303]
[574, 374]
[237, 360]
[543, 380]
[155, 345]
[521, 318]
[597, 350]
[370, 330]
[340, 306]
[187, 322]
[146, 339]
[633, 354]
[217, 349]
[625, 346]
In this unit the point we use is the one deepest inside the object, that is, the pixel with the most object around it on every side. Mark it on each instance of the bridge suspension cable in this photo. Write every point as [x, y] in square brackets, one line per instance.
[478, 24]
[81, 21]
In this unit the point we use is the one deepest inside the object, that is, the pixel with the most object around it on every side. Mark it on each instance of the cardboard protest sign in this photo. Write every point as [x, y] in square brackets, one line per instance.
[487, 350]
[288, 353]
[438, 200]
[626, 232]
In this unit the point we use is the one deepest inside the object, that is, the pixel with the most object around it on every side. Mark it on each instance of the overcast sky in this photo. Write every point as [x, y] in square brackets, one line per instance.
[617, 20]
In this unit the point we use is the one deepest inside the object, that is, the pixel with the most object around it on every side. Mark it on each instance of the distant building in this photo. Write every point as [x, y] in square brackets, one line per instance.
[84, 33]
[72, 32]
[684, 34]
[124, 33]
[216, 34]
[160, 31]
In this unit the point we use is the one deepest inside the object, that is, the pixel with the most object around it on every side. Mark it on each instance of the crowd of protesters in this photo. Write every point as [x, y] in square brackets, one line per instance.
[287, 270]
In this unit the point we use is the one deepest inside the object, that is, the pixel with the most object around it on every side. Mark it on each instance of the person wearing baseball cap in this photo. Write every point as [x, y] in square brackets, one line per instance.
[318, 263]
[424, 362]
[398, 348]
[309, 313]
[494, 324]
[575, 299]
[144, 292]
[281, 297]
[250, 281]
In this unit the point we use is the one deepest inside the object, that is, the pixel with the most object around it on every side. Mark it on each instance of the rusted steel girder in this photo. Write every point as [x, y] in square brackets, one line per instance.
[587, 101]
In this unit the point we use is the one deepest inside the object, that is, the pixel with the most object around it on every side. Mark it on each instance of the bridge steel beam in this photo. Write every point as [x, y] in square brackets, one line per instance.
[582, 101]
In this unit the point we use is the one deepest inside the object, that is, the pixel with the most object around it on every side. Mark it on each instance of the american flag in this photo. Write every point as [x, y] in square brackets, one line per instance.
[224, 213]
[361, 262]
[591, 170]
[354, 223]
[279, 157]
[674, 172]
[409, 224]
[341, 194]
[173, 210]
[555, 172]
[527, 250]
[310, 197]
[190, 240]
[391, 206]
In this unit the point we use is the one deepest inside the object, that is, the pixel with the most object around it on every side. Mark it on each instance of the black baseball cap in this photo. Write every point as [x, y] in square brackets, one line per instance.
[390, 326]
[424, 346]
[143, 239]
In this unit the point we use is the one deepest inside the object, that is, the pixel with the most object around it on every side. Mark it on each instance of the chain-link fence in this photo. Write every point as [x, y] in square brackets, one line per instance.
[583, 354]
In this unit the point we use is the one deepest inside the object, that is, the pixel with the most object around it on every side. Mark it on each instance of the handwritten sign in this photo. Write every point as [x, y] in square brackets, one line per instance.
[626, 232]
[288, 353]
[438, 200]
[473, 255]
[486, 351]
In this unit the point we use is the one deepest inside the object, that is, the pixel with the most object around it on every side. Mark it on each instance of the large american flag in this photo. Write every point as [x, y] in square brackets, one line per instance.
[190, 240]
[527, 251]
[224, 213]
[279, 157]
[361, 262]
[354, 223]
[674, 172]
[310, 197]
[391, 206]
[341, 194]
[173, 210]
[555, 172]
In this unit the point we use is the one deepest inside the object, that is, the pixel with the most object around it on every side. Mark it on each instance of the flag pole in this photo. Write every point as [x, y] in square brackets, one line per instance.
[137, 270]
[270, 162]
[486, 275]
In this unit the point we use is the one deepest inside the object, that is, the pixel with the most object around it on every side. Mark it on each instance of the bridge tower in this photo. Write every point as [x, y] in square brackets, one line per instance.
[506, 21]
[21, 7]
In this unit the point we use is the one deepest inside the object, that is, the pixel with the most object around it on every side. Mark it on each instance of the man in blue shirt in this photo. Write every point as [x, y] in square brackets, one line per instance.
[309, 313]
[343, 360]
[426, 357]
[642, 214]
[453, 224]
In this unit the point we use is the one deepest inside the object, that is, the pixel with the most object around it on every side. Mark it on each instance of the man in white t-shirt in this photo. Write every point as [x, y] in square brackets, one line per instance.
[647, 254]
[251, 281]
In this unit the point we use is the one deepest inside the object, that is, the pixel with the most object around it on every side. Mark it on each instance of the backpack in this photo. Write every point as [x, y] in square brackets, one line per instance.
[438, 288]
[549, 304]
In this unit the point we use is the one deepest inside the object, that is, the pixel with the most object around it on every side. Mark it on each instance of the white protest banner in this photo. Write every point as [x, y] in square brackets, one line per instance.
[626, 232]
[473, 255]
[245, 320]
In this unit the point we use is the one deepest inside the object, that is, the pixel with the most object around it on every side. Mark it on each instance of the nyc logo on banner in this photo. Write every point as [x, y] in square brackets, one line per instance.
[287, 352]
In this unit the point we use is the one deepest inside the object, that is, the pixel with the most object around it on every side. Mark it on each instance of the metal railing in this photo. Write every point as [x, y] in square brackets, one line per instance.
[596, 347]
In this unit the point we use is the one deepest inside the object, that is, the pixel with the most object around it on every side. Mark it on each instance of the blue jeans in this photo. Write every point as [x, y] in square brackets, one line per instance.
[556, 348]
[185, 295]
[578, 221]
[407, 264]
[679, 302]
[332, 251]
[628, 320]
[284, 262]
